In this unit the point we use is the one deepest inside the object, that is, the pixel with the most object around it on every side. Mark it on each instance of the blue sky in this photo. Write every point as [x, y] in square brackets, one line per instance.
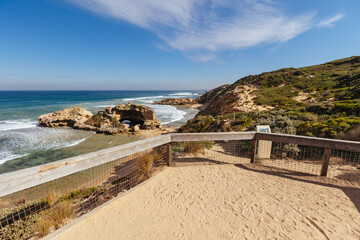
[166, 44]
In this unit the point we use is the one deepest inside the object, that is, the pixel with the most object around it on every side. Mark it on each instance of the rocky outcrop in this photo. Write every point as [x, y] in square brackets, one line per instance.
[209, 96]
[177, 101]
[234, 98]
[67, 117]
[112, 120]
[125, 117]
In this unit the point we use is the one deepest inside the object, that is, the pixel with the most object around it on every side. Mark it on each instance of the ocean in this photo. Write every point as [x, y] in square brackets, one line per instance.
[20, 134]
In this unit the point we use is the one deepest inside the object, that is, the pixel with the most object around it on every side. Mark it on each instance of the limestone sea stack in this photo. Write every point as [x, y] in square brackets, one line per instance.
[67, 117]
[112, 120]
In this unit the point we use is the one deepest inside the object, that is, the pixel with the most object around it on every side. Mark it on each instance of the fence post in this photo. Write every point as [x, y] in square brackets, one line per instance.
[326, 159]
[253, 150]
[169, 155]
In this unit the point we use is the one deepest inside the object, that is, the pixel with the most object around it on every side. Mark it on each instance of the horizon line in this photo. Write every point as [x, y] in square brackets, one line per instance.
[103, 90]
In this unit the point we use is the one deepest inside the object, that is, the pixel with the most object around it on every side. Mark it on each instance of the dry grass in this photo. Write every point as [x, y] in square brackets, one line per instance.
[195, 147]
[60, 212]
[145, 164]
[52, 197]
[198, 147]
[42, 225]
[53, 218]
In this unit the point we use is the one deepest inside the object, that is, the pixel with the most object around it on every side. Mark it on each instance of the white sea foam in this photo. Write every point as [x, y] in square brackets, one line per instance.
[167, 114]
[143, 98]
[6, 156]
[148, 101]
[73, 143]
[184, 94]
[21, 142]
[16, 124]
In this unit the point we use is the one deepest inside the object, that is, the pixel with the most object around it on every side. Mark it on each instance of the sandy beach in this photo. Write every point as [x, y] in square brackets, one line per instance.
[227, 202]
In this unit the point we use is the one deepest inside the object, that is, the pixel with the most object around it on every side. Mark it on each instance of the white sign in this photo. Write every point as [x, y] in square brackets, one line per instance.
[263, 128]
[264, 147]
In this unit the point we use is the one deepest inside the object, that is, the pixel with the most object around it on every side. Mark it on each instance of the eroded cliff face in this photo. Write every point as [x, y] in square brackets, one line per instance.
[232, 98]
[112, 120]
[212, 94]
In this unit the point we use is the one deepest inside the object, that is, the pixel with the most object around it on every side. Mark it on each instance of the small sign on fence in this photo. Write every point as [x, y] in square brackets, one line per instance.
[264, 147]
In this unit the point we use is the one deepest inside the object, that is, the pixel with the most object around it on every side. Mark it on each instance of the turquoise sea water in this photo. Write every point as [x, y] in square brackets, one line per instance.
[19, 110]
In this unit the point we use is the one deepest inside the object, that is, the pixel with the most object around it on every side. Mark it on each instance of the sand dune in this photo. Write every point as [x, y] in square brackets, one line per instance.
[225, 202]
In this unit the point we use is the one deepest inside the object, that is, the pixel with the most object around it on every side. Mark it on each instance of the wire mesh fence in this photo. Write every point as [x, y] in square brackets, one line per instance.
[292, 157]
[36, 211]
[343, 165]
[211, 152]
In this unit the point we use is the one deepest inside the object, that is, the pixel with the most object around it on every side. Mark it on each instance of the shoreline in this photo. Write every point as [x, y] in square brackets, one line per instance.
[17, 132]
[88, 144]
[91, 144]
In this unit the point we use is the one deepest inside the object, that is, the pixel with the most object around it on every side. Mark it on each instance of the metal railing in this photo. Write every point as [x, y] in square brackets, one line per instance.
[35, 200]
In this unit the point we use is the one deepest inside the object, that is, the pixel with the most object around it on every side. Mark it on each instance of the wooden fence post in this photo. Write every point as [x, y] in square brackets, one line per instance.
[169, 154]
[326, 159]
[253, 150]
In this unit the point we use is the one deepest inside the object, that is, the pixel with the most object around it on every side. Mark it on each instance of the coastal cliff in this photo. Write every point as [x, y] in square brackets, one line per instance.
[321, 100]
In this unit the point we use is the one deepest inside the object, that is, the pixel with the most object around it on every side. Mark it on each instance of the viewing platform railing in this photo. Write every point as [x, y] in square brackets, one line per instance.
[70, 187]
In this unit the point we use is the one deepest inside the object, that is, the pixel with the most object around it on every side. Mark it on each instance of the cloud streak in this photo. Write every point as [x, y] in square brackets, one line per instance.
[200, 28]
[329, 22]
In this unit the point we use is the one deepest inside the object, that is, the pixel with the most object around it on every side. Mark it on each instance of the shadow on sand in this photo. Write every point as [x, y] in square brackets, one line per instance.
[353, 193]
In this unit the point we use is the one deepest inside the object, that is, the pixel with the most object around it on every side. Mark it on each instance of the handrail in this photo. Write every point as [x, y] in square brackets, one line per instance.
[30, 177]
[310, 141]
[222, 136]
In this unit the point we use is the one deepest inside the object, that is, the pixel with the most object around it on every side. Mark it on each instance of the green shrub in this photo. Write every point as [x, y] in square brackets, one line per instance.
[81, 193]
[350, 108]
[277, 97]
[278, 123]
[329, 128]
[320, 108]
[208, 144]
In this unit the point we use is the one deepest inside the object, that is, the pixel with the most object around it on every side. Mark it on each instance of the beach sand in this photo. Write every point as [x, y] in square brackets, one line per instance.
[226, 202]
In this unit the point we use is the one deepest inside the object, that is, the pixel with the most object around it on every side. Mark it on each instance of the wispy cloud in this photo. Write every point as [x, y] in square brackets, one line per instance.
[329, 22]
[200, 28]
[203, 58]
[149, 14]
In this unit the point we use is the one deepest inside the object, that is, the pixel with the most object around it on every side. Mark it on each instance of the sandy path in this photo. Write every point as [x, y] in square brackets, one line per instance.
[223, 202]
